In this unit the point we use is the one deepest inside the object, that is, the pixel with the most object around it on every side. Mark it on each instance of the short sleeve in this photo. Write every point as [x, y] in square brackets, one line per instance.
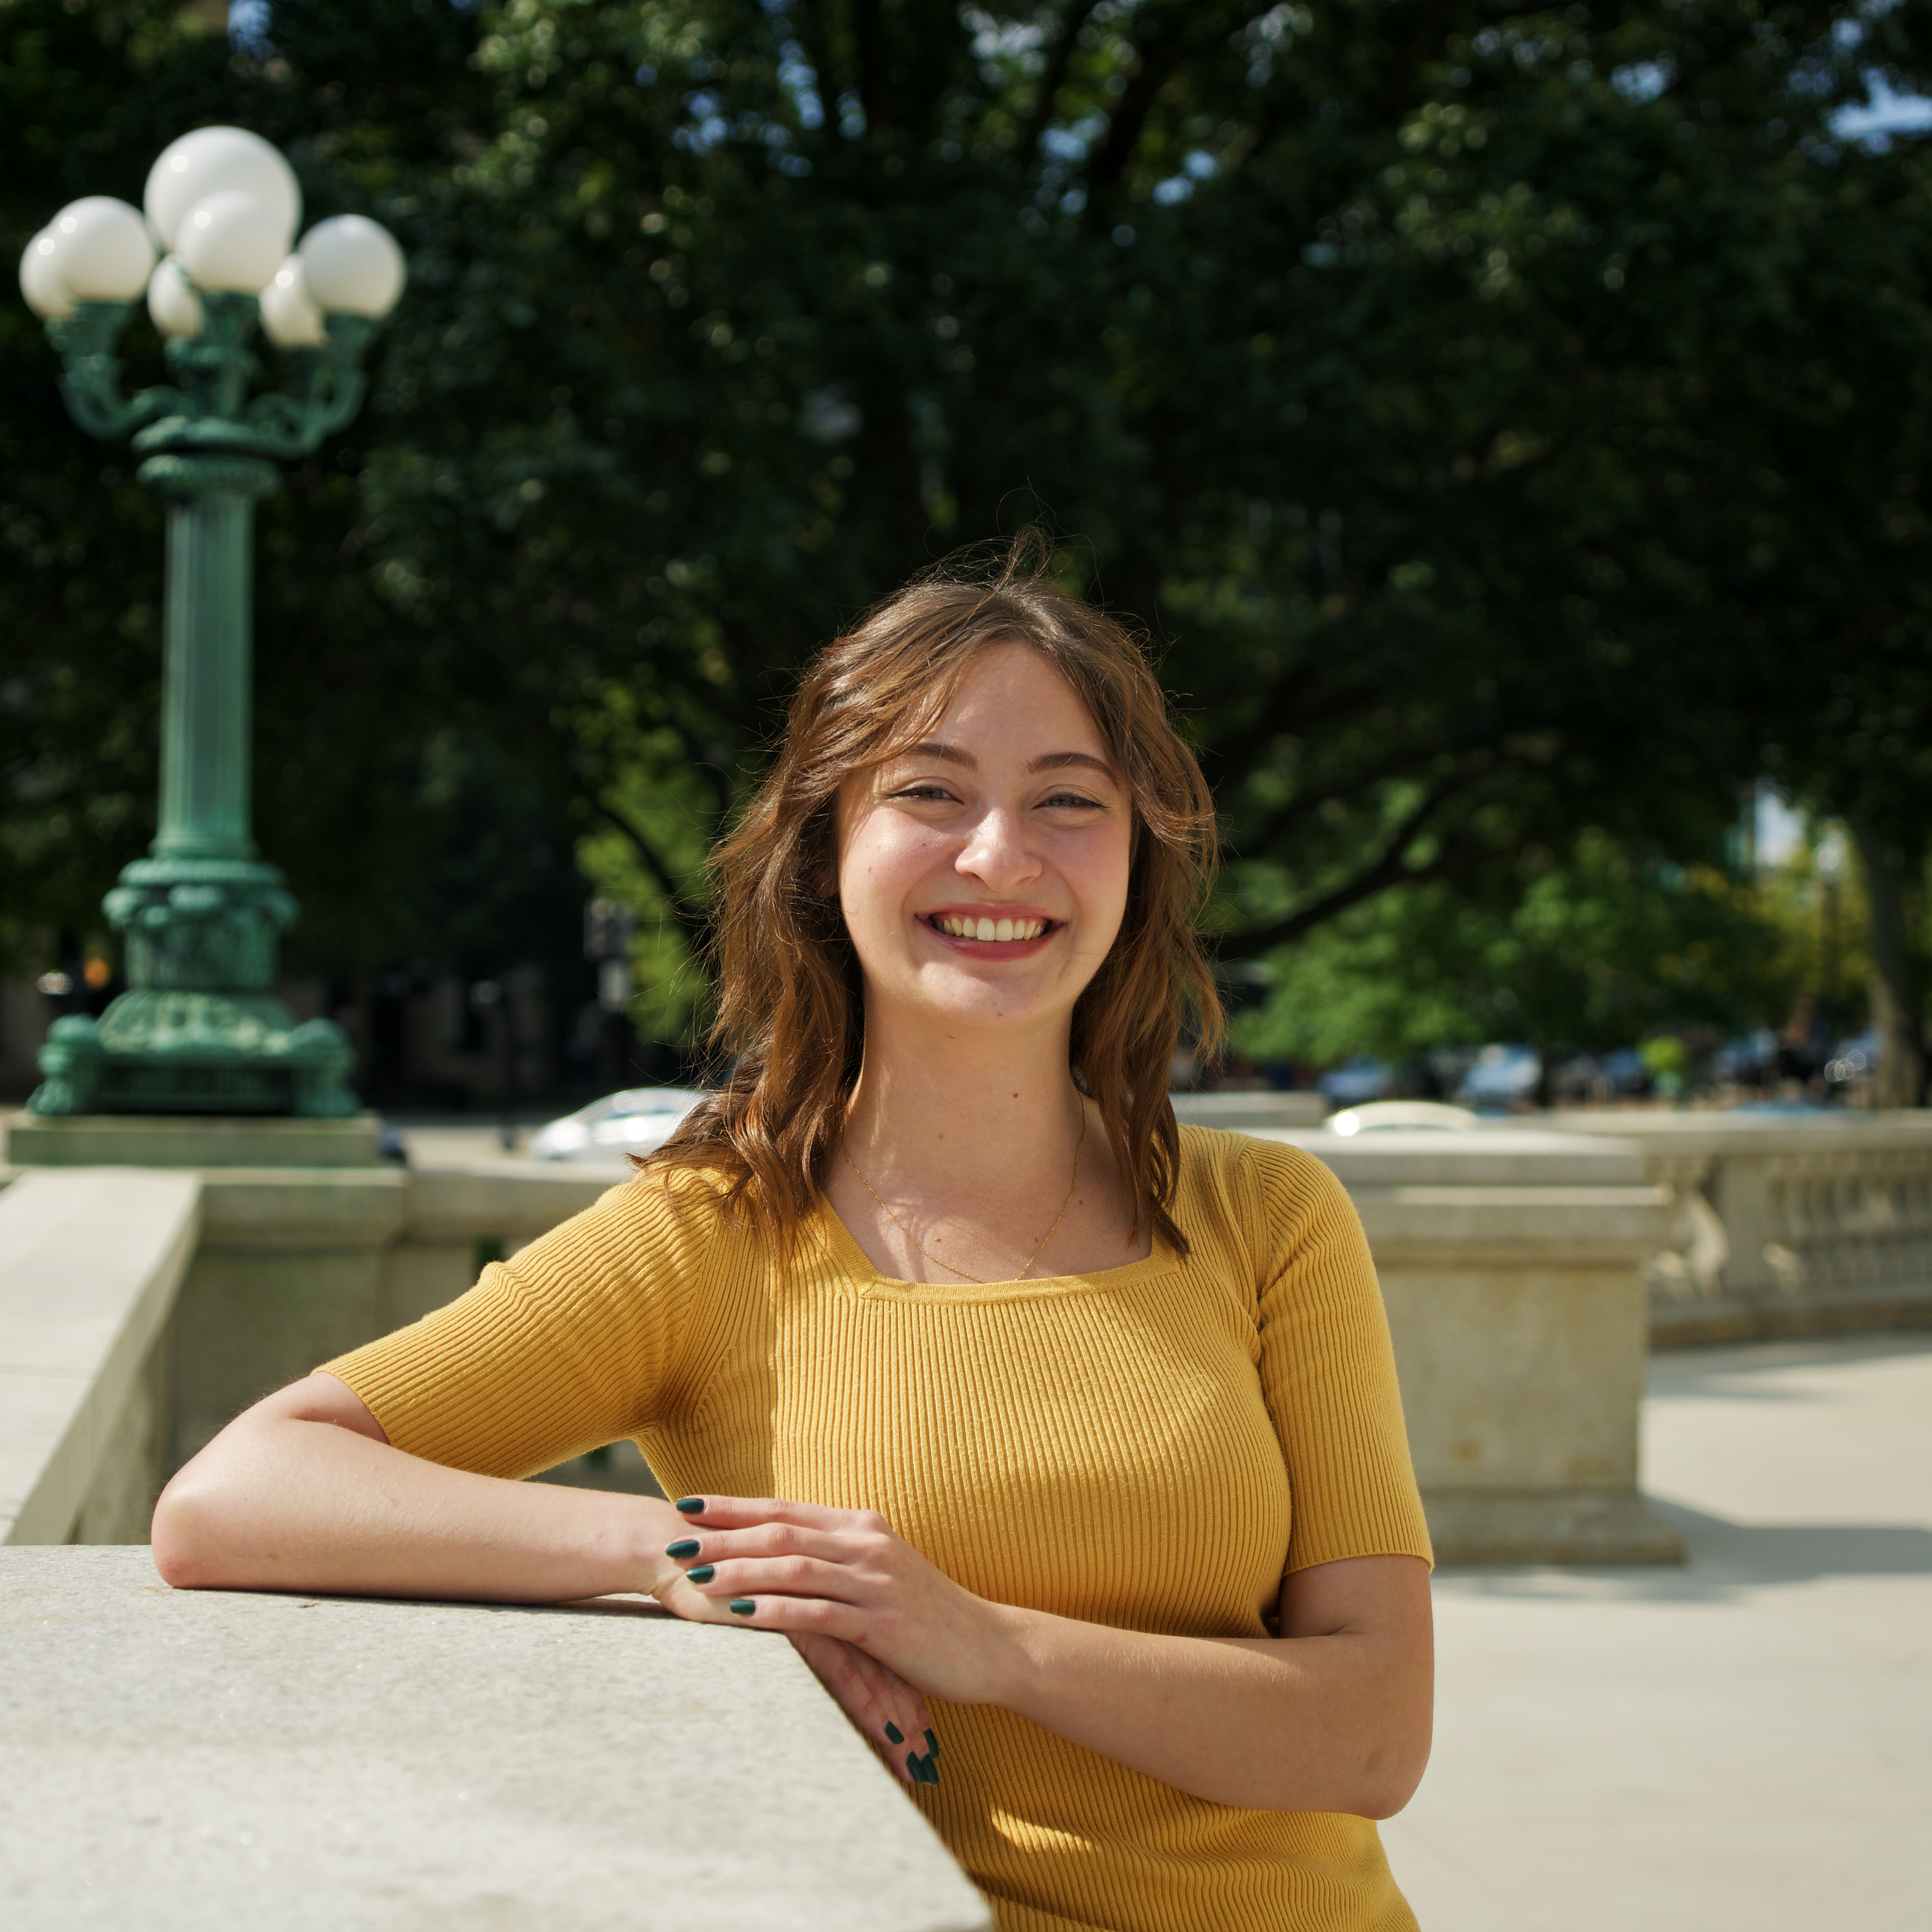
[573, 1342]
[1328, 1367]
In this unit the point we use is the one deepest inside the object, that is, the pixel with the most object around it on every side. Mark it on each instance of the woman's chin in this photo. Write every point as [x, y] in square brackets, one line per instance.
[948, 994]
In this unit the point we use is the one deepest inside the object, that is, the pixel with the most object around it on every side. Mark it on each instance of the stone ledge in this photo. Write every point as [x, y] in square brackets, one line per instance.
[1566, 1226]
[1495, 1157]
[1694, 1324]
[90, 1264]
[453, 1203]
[151, 1140]
[196, 1761]
[313, 1207]
[1531, 1526]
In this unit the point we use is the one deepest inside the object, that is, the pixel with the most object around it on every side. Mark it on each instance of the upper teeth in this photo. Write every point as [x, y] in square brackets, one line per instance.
[957, 926]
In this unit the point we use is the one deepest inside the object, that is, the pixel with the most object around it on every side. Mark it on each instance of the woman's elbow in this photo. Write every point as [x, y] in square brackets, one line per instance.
[1390, 1777]
[186, 1534]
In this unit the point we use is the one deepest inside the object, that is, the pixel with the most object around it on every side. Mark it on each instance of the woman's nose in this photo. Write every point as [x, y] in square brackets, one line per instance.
[997, 853]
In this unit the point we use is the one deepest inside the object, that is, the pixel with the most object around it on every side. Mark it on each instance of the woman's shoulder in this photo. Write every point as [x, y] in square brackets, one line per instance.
[1277, 1196]
[1226, 1160]
[667, 1215]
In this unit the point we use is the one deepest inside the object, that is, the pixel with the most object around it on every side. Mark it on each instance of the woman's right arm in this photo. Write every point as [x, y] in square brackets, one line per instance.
[303, 1492]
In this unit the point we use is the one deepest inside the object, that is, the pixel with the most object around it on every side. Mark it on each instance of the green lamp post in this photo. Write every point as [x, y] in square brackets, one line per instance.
[200, 1030]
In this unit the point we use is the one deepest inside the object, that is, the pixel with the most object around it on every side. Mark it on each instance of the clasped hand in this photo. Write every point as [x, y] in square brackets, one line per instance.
[880, 1627]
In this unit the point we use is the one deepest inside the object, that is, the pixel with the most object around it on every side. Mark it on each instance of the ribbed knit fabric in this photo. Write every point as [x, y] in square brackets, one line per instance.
[1151, 1447]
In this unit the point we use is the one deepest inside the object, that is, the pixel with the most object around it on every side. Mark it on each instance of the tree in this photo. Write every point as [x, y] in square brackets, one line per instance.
[1601, 950]
[1411, 371]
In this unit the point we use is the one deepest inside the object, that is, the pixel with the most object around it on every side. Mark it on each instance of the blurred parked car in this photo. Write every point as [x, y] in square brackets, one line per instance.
[1623, 1071]
[633, 1121]
[1502, 1076]
[1357, 1080]
[1389, 1116]
[1749, 1061]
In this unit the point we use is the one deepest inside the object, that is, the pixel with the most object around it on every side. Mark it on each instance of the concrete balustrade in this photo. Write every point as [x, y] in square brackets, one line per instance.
[1513, 1263]
[197, 1761]
[141, 1308]
[1783, 1223]
[91, 1264]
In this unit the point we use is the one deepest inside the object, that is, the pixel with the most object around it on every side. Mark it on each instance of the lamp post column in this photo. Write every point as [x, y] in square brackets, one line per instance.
[208, 661]
[199, 1028]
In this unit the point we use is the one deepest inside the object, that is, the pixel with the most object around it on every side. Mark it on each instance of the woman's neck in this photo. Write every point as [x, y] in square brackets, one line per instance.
[964, 1114]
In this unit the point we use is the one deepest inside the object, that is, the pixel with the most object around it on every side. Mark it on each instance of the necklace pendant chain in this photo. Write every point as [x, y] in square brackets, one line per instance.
[937, 1260]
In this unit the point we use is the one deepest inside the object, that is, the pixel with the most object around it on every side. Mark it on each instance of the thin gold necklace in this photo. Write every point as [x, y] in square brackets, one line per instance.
[937, 1260]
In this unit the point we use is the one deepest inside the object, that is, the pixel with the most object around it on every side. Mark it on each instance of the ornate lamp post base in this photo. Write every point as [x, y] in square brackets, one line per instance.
[155, 1052]
[200, 1032]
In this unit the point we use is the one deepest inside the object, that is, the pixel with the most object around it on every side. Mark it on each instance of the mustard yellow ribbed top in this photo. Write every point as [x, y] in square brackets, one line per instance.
[1151, 1447]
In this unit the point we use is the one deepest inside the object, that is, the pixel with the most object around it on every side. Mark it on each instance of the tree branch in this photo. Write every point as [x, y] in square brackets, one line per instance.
[816, 37]
[1388, 870]
[1059, 60]
[695, 926]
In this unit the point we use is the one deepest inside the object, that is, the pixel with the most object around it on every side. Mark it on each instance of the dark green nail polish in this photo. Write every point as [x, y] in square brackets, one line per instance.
[685, 1545]
[932, 1745]
[912, 1767]
[703, 1573]
[741, 1606]
[928, 1771]
[894, 1735]
[689, 1505]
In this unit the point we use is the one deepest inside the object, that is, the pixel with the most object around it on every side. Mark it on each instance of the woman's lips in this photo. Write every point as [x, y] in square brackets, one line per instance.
[986, 936]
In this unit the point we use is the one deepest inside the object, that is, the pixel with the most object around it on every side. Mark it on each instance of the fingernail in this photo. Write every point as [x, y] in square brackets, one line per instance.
[894, 1735]
[703, 1574]
[689, 1505]
[685, 1545]
[741, 1606]
[912, 1768]
[932, 1745]
[928, 1771]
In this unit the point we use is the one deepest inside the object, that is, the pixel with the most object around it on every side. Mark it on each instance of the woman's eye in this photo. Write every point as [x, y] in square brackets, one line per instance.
[938, 793]
[1074, 800]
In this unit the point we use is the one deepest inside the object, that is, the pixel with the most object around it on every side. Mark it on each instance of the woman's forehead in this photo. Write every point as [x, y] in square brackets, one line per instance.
[1008, 691]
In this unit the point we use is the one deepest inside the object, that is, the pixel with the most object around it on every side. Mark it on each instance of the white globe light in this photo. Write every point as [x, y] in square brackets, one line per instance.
[103, 254]
[219, 161]
[353, 266]
[290, 319]
[172, 301]
[231, 242]
[39, 281]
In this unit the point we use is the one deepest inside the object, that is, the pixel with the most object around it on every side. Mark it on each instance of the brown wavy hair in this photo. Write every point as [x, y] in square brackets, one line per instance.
[790, 1002]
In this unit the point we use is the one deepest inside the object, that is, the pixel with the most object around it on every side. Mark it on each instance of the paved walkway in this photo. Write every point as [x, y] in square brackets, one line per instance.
[1743, 1742]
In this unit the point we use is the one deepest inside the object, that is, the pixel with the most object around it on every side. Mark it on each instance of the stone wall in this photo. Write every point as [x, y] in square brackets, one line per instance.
[1513, 1263]
[1784, 1224]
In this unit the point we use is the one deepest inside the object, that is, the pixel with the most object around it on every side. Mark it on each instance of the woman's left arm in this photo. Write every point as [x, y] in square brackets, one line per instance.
[1332, 1715]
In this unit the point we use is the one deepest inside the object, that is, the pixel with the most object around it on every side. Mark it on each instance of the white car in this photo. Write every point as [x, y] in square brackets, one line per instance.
[633, 1121]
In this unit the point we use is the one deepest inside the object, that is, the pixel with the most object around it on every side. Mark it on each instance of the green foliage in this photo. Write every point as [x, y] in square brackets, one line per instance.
[1508, 426]
[1597, 952]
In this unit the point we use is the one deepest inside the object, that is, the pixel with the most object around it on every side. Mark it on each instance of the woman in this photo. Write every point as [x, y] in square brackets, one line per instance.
[1086, 1427]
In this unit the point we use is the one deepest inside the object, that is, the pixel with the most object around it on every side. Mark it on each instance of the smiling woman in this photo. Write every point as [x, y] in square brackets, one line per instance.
[1063, 1443]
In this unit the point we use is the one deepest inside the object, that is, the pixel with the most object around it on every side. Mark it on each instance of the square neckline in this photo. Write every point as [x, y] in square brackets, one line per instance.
[859, 1275]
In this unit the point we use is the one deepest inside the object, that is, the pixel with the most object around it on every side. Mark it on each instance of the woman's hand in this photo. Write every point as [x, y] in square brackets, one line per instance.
[890, 1714]
[826, 1575]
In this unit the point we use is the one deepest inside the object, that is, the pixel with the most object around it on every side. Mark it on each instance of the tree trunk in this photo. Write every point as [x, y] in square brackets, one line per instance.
[1898, 986]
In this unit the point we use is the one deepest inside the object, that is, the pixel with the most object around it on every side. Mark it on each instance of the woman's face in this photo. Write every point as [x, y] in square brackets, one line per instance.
[983, 874]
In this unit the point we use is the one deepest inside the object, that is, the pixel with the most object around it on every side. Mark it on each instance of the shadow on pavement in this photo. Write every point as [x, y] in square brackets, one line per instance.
[1727, 1561]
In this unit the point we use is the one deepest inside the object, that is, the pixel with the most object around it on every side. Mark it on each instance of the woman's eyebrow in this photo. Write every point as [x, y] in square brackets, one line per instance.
[950, 754]
[1059, 761]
